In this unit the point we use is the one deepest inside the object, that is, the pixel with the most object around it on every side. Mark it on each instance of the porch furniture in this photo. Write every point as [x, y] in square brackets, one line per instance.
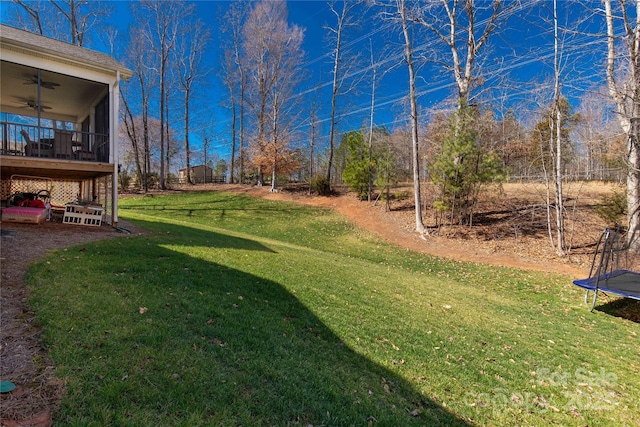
[84, 152]
[25, 135]
[36, 149]
[63, 144]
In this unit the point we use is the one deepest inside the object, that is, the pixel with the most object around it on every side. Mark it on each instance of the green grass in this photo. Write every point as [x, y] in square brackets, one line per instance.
[241, 311]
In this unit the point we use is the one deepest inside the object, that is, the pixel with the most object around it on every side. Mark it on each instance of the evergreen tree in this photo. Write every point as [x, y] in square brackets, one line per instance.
[462, 167]
[358, 168]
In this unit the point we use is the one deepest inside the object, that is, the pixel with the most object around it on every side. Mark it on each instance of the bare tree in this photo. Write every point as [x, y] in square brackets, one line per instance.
[626, 95]
[556, 139]
[374, 77]
[593, 132]
[130, 125]
[256, 32]
[462, 34]
[69, 20]
[344, 19]
[313, 118]
[32, 10]
[228, 76]
[415, 141]
[234, 76]
[165, 21]
[398, 11]
[79, 23]
[142, 61]
[273, 51]
[189, 60]
[375, 63]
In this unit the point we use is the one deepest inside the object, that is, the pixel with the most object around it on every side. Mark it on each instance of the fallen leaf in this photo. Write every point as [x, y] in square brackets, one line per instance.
[142, 310]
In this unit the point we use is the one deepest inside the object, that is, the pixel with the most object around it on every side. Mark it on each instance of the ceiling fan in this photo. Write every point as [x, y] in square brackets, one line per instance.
[33, 80]
[34, 105]
[31, 103]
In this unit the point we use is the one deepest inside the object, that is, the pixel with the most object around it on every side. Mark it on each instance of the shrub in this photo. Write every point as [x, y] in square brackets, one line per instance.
[612, 208]
[321, 185]
[402, 195]
[124, 180]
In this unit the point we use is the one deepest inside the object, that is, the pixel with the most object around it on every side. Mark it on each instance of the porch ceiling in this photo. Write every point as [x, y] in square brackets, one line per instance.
[68, 98]
[52, 168]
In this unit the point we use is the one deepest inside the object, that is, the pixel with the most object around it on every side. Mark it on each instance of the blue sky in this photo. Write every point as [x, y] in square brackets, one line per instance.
[519, 53]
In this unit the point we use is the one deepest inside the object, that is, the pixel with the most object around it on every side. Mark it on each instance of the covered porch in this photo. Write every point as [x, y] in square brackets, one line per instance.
[58, 120]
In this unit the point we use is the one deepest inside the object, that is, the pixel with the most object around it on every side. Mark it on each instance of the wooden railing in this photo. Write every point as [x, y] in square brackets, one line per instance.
[35, 141]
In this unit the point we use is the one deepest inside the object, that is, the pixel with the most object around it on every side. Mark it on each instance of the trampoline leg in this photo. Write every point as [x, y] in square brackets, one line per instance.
[595, 296]
[586, 297]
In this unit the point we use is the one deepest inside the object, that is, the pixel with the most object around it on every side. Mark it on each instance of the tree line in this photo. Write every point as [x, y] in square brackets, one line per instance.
[459, 146]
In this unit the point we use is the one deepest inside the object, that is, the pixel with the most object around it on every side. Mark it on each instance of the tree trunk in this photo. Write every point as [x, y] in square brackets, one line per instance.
[233, 137]
[334, 96]
[633, 187]
[414, 117]
[559, 208]
[627, 100]
[373, 99]
[187, 149]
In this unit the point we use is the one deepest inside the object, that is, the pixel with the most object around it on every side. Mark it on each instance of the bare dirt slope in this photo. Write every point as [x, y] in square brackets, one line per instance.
[509, 228]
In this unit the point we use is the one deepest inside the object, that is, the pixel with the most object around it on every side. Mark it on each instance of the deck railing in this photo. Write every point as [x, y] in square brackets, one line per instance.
[36, 141]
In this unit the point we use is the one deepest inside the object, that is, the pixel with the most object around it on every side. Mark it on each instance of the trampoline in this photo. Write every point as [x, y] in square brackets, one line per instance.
[606, 274]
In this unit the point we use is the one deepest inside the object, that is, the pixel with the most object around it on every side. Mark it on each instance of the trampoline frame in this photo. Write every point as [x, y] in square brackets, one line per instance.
[606, 264]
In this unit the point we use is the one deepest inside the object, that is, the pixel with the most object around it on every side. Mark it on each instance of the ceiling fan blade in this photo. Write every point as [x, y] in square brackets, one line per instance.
[34, 105]
[33, 80]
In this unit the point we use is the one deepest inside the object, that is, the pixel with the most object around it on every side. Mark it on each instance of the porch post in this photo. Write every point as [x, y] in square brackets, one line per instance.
[113, 136]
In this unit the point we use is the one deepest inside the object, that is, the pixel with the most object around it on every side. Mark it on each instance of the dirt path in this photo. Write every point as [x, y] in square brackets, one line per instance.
[386, 224]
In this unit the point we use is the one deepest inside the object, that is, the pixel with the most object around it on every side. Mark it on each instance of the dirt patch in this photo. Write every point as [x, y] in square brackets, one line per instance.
[509, 231]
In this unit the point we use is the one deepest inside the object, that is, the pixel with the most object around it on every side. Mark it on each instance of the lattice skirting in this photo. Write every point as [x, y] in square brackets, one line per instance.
[62, 191]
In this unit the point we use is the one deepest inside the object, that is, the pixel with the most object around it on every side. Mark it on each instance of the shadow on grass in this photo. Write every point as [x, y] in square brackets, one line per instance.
[218, 207]
[625, 308]
[214, 345]
[221, 202]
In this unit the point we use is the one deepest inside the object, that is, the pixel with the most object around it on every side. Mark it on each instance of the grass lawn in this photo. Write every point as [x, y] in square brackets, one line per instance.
[241, 311]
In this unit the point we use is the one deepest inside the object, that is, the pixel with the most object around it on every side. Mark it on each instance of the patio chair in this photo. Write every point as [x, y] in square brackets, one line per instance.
[28, 142]
[25, 135]
[33, 149]
[62, 144]
[84, 151]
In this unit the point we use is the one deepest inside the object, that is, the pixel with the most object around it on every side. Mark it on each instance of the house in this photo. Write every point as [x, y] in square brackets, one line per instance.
[200, 174]
[58, 120]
